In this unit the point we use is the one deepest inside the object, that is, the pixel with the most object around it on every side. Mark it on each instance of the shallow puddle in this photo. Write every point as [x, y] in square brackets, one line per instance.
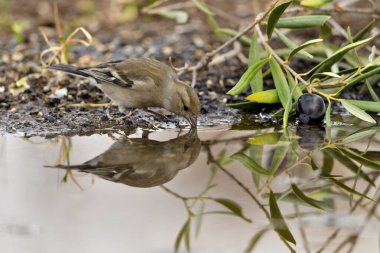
[214, 190]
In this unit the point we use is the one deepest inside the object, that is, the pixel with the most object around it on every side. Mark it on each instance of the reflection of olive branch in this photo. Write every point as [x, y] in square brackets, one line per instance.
[189, 202]
[288, 155]
[354, 207]
[245, 189]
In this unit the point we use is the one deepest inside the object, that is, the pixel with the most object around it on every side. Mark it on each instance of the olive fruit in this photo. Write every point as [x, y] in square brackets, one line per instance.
[310, 108]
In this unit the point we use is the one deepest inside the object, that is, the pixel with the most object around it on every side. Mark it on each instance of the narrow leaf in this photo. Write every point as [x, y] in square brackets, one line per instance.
[290, 44]
[254, 56]
[232, 206]
[372, 92]
[246, 105]
[288, 108]
[348, 189]
[359, 135]
[328, 115]
[360, 78]
[327, 63]
[279, 154]
[249, 164]
[370, 106]
[292, 83]
[255, 239]
[181, 17]
[361, 159]
[347, 162]
[314, 3]
[244, 40]
[356, 111]
[265, 139]
[302, 46]
[303, 197]
[266, 97]
[302, 21]
[202, 7]
[278, 221]
[180, 235]
[247, 77]
[358, 36]
[280, 82]
[274, 17]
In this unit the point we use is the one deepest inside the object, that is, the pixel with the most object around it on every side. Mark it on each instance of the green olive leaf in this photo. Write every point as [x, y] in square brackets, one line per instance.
[247, 77]
[302, 21]
[274, 17]
[280, 82]
[278, 221]
[356, 111]
[231, 205]
[250, 164]
[306, 199]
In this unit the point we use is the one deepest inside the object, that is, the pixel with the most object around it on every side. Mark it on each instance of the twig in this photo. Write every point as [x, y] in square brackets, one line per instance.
[206, 59]
[278, 59]
[211, 159]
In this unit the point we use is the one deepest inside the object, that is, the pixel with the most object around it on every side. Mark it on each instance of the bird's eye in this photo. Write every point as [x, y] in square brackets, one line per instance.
[185, 108]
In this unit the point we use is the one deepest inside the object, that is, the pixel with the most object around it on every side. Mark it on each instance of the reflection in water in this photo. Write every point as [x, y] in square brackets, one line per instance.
[311, 137]
[304, 180]
[142, 162]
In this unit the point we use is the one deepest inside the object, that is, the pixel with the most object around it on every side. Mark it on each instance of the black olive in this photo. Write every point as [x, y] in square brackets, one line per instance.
[310, 108]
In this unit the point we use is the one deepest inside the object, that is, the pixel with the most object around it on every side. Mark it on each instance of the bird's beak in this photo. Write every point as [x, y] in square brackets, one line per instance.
[192, 120]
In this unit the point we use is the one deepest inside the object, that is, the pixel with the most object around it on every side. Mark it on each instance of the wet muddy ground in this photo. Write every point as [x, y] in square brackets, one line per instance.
[45, 105]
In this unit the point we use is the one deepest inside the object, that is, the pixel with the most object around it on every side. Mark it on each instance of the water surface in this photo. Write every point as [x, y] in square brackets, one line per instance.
[215, 190]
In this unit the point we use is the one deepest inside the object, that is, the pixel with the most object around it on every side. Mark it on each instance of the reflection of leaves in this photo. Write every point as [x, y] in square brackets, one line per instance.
[372, 155]
[279, 154]
[290, 197]
[278, 221]
[359, 135]
[184, 233]
[347, 162]
[303, 197]
[250, 164]
[234, 207]
[256, 153]
[255, 239]
[199, 219]
[328, 164]
[349, 189]
[355, 155]
[262, 139]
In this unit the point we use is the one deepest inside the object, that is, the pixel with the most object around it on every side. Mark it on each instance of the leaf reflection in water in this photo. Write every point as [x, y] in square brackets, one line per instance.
[301, 175]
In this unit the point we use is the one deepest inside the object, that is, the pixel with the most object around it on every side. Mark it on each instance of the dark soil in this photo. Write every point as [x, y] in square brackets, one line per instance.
[41, 110]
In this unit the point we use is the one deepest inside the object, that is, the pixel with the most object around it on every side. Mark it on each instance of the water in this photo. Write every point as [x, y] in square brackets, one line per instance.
[207, 190]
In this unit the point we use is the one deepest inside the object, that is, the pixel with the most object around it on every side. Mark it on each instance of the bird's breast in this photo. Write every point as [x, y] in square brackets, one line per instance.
[133, 97]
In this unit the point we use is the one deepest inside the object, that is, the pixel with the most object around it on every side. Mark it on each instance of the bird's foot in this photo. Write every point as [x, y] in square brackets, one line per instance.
[119, 119]
[159, 116]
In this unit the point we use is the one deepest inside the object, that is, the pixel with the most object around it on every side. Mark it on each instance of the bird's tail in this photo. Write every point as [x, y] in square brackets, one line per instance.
[70, 69]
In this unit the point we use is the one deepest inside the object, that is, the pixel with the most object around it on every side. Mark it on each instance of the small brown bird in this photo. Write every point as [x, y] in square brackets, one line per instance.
[141, 162]
[141, 83]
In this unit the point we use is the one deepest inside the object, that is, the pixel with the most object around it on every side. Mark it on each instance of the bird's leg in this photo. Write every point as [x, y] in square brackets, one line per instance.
[159, 116]
[122, 109]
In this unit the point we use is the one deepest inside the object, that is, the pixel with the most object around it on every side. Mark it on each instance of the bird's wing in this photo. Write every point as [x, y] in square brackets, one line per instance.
[107, 74]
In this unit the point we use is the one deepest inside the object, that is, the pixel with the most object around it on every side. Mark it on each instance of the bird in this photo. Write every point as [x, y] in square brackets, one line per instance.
[142, 162]
[140, 83]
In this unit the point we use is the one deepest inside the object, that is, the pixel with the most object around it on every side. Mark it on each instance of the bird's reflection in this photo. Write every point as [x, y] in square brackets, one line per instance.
[141, 162]
[312, 137]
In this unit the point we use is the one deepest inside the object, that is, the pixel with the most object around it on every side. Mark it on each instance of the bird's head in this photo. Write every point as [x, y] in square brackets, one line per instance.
[184, 102]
